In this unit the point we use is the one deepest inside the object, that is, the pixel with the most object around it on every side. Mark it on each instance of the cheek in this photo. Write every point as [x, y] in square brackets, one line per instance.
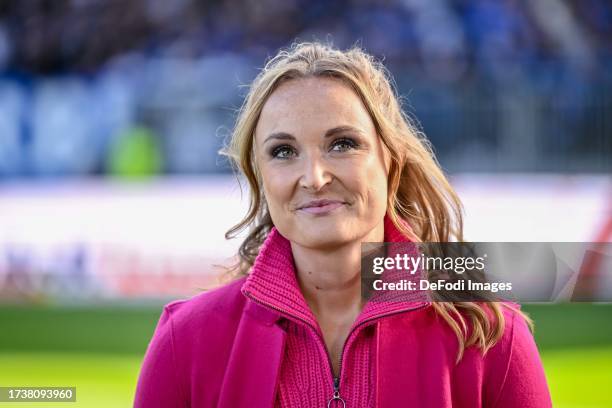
[375, 180]
[377, 192]
[277, 188]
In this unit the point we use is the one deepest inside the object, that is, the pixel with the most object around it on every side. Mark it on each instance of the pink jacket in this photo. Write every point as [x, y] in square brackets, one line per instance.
[225, 348]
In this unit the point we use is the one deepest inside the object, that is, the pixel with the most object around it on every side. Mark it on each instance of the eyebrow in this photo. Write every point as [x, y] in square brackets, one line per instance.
[329, 133]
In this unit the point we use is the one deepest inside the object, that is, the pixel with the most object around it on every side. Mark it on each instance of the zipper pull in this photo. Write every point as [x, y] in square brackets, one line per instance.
[336, 395]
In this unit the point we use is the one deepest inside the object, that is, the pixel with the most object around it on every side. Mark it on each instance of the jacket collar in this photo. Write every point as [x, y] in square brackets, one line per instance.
[273, 283]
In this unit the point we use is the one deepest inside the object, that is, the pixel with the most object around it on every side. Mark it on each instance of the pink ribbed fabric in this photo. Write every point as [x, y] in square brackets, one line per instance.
[305, 377]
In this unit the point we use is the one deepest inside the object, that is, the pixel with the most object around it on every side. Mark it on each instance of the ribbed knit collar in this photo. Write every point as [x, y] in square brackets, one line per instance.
[273, 282]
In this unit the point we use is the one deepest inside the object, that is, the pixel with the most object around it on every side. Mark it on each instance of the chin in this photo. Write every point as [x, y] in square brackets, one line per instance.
[322, 233]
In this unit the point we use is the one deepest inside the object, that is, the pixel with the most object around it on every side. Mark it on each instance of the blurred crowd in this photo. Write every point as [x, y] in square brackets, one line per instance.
[142, 87]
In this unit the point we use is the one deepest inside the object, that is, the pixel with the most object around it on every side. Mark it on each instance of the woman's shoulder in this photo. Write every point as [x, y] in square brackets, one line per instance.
[191, 333]
[210, 308]
[516, 332]
[510, 373]
[516, 335]
[513, 367]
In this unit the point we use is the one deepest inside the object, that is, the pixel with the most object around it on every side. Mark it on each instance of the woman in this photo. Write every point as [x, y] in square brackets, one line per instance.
[332, 162]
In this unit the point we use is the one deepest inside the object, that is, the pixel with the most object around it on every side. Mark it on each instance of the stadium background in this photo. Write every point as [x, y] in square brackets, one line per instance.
[113, 199]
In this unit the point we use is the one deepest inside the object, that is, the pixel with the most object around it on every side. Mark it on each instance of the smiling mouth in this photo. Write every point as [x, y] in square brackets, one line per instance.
[322, 209]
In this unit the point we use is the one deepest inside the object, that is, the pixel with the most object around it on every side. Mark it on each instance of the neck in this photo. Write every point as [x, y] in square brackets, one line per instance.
[331, 280]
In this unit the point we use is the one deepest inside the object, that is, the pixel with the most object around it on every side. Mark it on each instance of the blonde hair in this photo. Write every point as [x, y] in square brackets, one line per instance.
[418, 191]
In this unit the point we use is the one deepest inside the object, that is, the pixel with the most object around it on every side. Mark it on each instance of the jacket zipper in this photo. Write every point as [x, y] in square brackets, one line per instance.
[335, 380]
[336, 395]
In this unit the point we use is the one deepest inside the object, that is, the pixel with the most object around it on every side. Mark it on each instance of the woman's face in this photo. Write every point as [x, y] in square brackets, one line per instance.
[323, 166]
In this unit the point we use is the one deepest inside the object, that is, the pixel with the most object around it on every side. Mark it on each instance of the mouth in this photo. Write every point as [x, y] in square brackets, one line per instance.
[321, 206]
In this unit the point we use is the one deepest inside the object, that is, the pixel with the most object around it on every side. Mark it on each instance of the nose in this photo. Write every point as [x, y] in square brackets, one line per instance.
[315, 174]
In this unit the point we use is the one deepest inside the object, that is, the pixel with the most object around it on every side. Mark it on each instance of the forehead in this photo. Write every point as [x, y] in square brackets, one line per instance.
[312, 105]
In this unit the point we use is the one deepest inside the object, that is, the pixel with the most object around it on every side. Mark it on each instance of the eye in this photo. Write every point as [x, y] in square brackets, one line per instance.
[344, 144]
[282, 152]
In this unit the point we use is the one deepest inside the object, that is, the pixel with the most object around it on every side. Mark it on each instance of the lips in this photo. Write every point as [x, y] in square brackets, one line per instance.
[321, 206]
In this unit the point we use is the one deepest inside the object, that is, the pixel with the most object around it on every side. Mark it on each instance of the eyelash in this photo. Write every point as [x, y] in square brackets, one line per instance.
[343, 140]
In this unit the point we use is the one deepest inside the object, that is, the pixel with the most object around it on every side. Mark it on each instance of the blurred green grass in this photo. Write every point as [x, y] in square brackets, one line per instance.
[99, 350]
[101, 380]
